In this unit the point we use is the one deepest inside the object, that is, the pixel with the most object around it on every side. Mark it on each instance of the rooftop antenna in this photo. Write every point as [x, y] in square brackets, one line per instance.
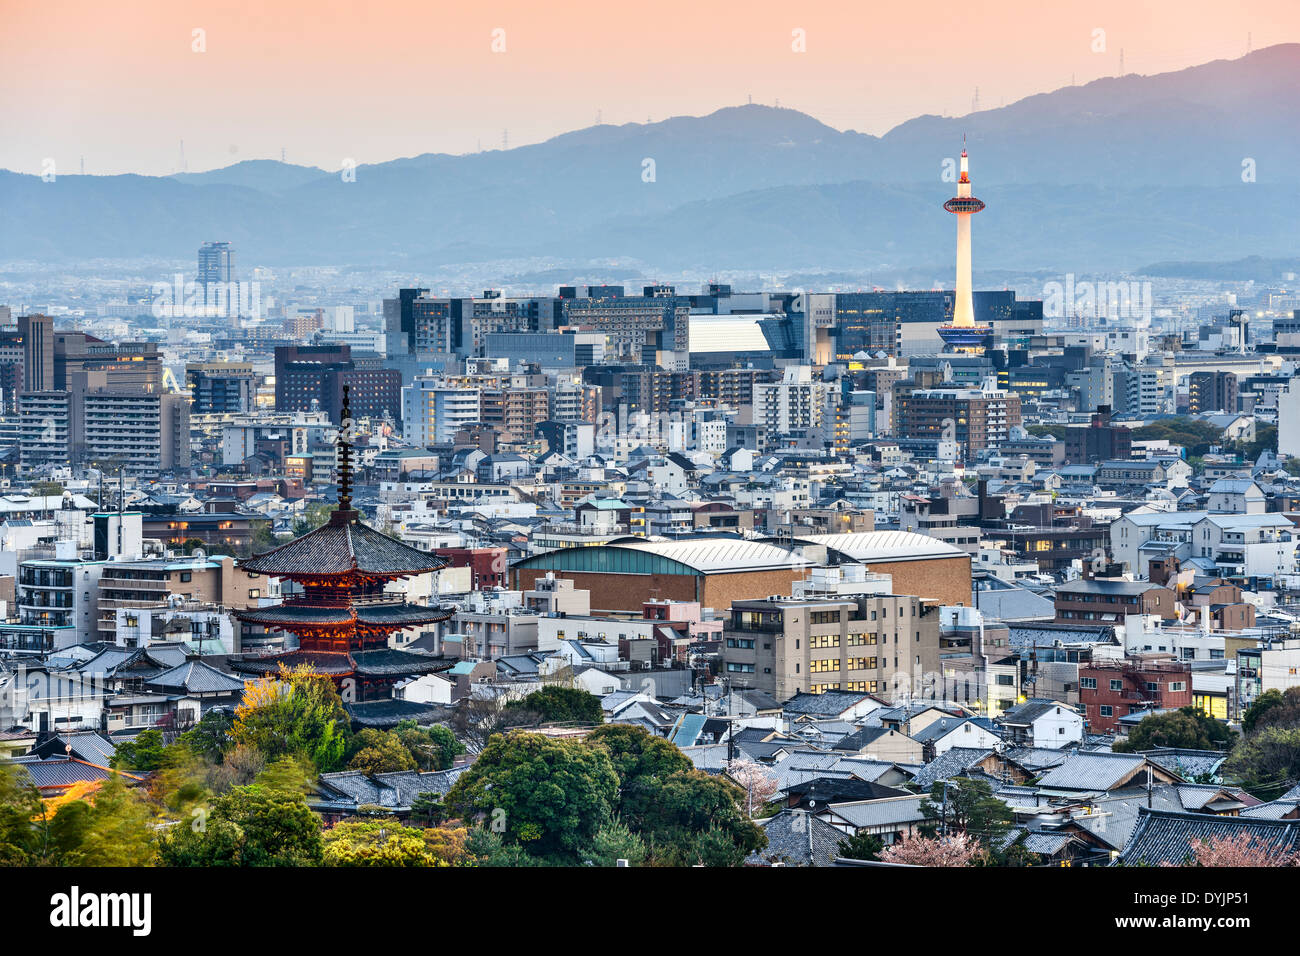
[975, 102]
[184, 168]
[1121, 61]
[282, 154]
[505, 139]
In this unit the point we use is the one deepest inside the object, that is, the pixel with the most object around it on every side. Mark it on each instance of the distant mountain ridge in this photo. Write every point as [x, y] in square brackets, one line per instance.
[1112, 174]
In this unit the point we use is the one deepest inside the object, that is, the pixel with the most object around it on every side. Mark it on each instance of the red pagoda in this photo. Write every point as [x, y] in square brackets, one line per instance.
[338, 609]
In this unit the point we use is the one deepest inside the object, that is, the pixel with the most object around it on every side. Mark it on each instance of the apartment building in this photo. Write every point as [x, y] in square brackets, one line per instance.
[871, 643]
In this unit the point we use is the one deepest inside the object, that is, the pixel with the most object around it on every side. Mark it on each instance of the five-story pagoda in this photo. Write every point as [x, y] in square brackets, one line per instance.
[338, 609]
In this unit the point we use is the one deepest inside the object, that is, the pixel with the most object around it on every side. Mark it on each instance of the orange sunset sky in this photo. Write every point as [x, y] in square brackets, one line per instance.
[120, 85]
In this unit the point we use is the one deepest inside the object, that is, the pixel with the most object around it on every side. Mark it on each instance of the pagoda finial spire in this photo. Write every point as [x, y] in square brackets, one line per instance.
[345, 456]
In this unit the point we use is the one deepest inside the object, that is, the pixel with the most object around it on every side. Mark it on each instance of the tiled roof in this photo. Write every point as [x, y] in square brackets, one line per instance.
[340, 546]
[953, 763]
[796, 838]
[394, 790]
[1164, 837]
[59, 772]
[1093, 771]
[195, 677]
[878, 813]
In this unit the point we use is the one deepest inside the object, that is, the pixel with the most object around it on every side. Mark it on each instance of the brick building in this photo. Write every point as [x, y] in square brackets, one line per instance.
[1110, 690]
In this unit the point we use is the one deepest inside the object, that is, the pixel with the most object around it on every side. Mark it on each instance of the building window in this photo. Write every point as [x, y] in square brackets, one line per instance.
[1116, 685]
[1106, 710]
[1088, 683]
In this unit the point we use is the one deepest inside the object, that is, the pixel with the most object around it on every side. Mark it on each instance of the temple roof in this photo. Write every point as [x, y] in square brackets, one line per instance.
[400, 615]
[386, 662]
[341, 545]
[376, 615]
[322, 662]
[297, 614]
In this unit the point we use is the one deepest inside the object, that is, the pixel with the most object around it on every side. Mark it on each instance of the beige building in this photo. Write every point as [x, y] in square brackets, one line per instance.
[873, 643]
[155, 583]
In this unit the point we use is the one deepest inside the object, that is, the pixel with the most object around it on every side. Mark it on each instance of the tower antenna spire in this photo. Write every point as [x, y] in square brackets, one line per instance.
[345, 458]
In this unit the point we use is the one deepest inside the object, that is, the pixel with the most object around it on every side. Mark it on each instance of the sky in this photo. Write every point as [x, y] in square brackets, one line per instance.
[118, 87]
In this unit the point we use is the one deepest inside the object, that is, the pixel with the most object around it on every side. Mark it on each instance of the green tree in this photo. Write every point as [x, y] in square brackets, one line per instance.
[1189, 728]
[548, 795]
[381, 842]
[560, 704]
[209, 739]
[48, 489]
[970, 808]
[299, 713]
[1273, 708]
[1267, 762]
[145, 754]
[485, 848]
[116, 831]
[20, 802]
[433, 748]
[377, 751]
[614, 842]
[861, 846]
[248, 826]
[642, 762]
[695, 817]
[312, 517]
[1193, 434]
[427, 809]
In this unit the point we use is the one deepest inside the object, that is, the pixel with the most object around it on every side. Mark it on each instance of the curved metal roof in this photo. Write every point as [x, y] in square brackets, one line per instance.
[885, 545]
[694, 555]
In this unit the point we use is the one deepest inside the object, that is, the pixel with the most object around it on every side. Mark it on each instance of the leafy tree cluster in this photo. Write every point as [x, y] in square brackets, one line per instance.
[1193, 434]
[408, 747]
[620, 792]
[556, 704]
[1188, 728]
[1266, 761]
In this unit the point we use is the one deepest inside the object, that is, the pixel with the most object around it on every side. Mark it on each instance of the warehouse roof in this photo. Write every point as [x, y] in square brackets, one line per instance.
[886, 546]
[698, 554]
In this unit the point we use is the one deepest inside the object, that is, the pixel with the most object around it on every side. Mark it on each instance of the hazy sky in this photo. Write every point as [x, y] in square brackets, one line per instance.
[120, 84]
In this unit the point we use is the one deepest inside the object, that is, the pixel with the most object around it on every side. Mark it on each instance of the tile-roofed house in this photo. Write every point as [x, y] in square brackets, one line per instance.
[838, 704]
[825, 790]
[196, 679]
[891, 818]
[1188, 764]
[54, 775]
[956, 762]
[1103, 772]
[80, 744]
[1162, 836]
[342, 794]
[797, 838]
[882, 743]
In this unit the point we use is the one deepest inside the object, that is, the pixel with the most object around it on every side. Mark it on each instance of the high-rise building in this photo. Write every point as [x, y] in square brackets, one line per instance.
[973, 418]
[216, 263]
[313, 376]
[219, 388]
[434, 410]
[37, 333]
[1212, 392]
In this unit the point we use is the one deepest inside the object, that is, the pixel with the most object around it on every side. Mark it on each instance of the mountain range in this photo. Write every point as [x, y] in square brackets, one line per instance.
[1194, 165]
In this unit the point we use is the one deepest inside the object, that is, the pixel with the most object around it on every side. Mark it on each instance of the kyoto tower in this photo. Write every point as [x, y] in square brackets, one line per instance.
[963, 335]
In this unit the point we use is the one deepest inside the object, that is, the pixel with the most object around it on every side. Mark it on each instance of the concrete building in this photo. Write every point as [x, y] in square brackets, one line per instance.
[873, 643]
